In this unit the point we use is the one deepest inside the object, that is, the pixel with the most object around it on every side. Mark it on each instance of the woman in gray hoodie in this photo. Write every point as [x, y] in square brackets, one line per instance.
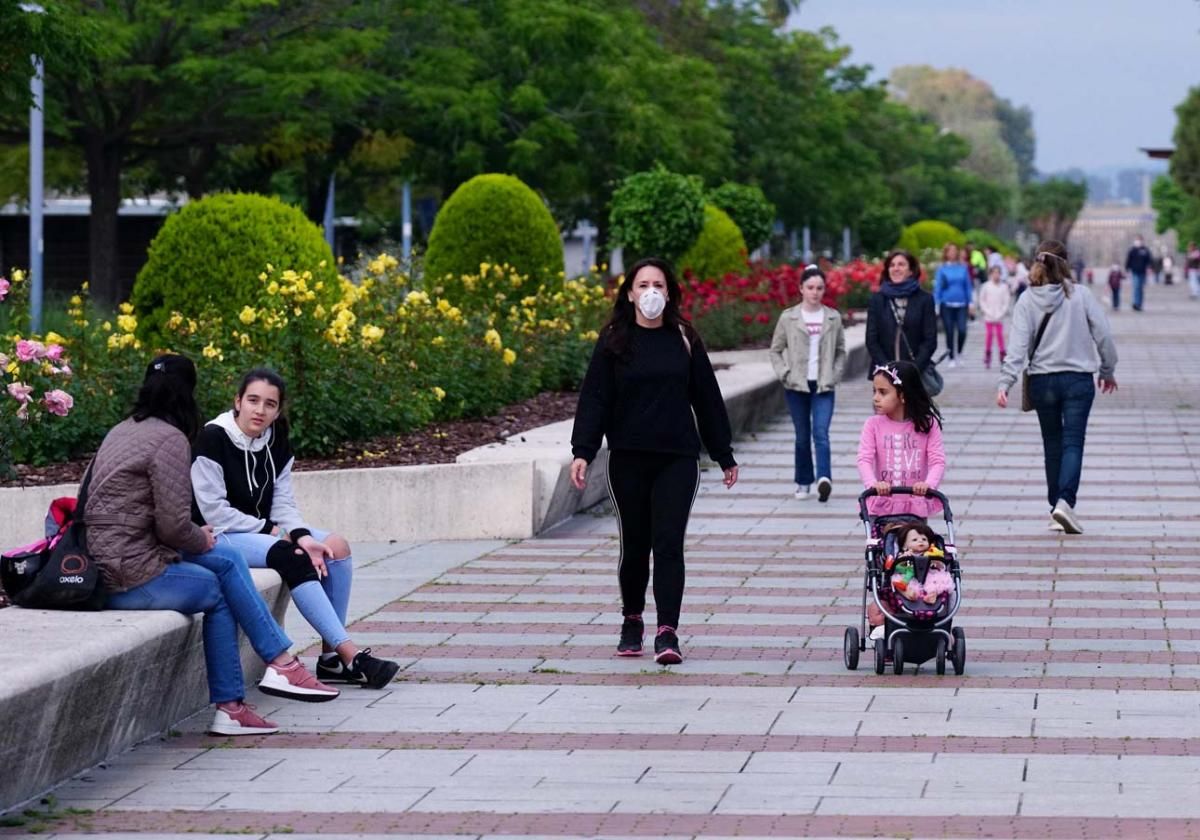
[1060, 331]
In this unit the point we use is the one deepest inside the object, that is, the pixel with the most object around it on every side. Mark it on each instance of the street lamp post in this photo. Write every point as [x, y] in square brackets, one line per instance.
[36, 180]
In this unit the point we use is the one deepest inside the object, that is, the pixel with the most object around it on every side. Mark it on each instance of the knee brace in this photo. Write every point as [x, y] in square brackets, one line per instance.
[292, 563]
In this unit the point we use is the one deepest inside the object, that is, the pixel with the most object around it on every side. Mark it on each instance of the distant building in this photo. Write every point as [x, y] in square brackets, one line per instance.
[1102, 235]
[1099, 189]
[1133, 186]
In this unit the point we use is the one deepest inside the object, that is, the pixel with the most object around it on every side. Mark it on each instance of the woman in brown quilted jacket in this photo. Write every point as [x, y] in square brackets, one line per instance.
[152, 557]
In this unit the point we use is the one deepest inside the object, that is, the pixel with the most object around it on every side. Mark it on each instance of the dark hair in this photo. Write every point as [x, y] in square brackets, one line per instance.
[914, 265]
[1051, 266]
[920, 527]
[918, 405]
[265, 374]
[813, 270]
[616, 332]
[168, 392]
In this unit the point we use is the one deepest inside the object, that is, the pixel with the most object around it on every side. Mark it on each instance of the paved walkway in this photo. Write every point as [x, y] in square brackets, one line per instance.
[1078, 715]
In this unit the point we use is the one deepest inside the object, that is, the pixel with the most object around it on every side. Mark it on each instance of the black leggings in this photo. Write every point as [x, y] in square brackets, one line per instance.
[653, 495]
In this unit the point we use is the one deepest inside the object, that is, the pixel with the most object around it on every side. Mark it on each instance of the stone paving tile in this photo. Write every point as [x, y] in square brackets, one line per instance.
[1076, 716]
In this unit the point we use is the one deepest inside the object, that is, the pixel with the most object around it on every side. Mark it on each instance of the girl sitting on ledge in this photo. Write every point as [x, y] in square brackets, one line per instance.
[242, 481]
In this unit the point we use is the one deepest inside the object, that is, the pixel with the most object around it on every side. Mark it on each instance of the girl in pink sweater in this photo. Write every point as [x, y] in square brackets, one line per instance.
[901, 445]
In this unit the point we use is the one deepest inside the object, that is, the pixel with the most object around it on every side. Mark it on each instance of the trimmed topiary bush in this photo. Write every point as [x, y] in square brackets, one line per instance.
[213, 250]
[749, 208]
[929, 233]
[492, 219]
[719, 250]
[984, 237]
[657, 213]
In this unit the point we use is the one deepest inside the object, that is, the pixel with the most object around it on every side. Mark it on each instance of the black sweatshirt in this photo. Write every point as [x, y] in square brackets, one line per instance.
[644, 403]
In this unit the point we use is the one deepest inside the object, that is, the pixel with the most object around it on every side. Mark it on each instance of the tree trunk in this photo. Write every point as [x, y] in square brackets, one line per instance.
[104, 186]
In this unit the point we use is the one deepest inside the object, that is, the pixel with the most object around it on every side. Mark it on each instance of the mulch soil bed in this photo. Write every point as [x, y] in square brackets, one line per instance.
[439, 443]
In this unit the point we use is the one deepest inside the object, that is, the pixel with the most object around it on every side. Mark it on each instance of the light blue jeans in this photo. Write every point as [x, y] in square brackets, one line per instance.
[323, 604]
[219, 585]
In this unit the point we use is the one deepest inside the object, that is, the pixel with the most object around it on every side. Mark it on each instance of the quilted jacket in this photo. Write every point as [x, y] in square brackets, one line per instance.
[139, 505]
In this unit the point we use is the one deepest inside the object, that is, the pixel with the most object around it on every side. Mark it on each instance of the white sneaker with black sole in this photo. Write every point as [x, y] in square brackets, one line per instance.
[1065, 516]
[824, 488]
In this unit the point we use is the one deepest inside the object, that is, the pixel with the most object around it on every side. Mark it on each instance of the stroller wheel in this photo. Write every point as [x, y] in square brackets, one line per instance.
[898, 656]
[959, 658]
[880, 655]
[850, 648]
[940, 662]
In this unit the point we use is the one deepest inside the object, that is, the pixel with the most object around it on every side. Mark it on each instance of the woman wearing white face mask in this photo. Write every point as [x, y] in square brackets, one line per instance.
[648, 373]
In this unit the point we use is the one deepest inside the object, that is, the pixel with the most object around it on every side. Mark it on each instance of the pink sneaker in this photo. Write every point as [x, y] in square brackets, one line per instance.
[295, 682]
[242, 721]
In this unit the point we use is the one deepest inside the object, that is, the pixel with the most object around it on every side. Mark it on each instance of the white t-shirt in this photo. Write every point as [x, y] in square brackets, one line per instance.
[813, 321]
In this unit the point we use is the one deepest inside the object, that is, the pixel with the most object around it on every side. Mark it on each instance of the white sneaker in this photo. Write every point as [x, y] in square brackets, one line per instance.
[1064, 515]
[243, 721]
[1055, 525]
[824, 488]
[876, 633]
[802, 491]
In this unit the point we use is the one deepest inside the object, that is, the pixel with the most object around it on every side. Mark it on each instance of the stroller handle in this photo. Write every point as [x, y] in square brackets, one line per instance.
[903, 490]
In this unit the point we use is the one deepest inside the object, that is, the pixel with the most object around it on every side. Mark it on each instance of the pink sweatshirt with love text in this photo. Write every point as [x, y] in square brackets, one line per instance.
[897, 453]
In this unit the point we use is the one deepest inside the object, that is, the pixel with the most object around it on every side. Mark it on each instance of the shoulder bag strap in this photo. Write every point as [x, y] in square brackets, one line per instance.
[1037, 339]
[81, 502]
[908, 346]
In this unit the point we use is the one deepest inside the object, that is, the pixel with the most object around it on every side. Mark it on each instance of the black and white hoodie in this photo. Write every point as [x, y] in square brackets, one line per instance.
[243, 484]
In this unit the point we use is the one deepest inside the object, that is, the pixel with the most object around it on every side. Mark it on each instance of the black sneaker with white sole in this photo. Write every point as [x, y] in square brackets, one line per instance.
[666, 647]
[824, 488]
[366, 670]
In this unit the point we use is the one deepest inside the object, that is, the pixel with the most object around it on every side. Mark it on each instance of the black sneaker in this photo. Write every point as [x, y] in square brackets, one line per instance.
[366, 670]
[824, 488]
[666, 647]
[633, 630]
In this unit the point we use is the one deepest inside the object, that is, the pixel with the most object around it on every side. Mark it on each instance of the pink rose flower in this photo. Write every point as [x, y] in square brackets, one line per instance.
[54, 352]
[58, 402]
[4, 287]
[28, 351]
[20, 392]
[64, 370]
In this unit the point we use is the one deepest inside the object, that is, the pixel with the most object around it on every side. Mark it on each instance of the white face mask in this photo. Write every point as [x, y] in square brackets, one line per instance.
[651, 304]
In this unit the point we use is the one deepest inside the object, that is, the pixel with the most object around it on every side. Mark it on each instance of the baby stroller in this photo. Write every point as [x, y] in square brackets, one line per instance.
[914, 631]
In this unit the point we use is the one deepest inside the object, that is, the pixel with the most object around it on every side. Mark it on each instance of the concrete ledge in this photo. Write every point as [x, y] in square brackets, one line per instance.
[509, 490]
[81, 687]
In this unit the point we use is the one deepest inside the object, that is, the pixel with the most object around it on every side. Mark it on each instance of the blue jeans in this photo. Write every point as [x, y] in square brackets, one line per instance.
[811, 413]
[954, 321]
[217, 584]
[1139, 288]
[323, 604]
[1063, 402]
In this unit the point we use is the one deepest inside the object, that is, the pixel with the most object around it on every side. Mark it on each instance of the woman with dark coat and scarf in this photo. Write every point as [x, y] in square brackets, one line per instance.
[901, 319]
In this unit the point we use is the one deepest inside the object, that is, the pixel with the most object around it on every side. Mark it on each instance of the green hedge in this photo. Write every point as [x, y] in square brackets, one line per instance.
[213, 250]
[494, 219]
[929, 233]
[749, 208]
[718, 250]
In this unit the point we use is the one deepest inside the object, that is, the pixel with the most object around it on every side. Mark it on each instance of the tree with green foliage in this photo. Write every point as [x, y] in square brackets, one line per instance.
[749, 208]
[1050, 207]
[1185, 162]
[720, 248]
[57, 36]
[1176, 209]
[657, 213]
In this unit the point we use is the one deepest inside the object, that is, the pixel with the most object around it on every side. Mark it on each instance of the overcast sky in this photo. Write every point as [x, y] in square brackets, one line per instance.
[1102, 77]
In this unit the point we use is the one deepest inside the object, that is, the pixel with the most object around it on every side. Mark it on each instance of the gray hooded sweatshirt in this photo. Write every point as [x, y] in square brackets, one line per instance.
[1076, 334]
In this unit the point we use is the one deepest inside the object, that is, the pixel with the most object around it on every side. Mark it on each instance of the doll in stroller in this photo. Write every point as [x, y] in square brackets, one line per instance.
[913, 582]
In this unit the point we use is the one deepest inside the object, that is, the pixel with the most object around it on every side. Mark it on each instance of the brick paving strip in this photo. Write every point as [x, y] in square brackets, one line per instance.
[1078, 715]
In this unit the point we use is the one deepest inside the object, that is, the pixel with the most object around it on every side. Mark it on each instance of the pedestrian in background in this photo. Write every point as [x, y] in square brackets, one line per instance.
[995, 300]
[1115, 276]
[1193, 270]
[952, 295]
[901, 317]
[808, 353]
[1137, 262]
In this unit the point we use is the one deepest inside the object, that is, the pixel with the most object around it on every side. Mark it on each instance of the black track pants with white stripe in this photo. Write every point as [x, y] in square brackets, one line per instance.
[653, 495]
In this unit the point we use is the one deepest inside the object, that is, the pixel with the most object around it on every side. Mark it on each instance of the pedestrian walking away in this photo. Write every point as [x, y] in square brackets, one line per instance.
[153, 557]
[1137, 262]
[651, 391]
[242, 481]
[808, 353]
[995, 300]
[1061, 338]
[901, 317]
[1115, 276]
[953, 292]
